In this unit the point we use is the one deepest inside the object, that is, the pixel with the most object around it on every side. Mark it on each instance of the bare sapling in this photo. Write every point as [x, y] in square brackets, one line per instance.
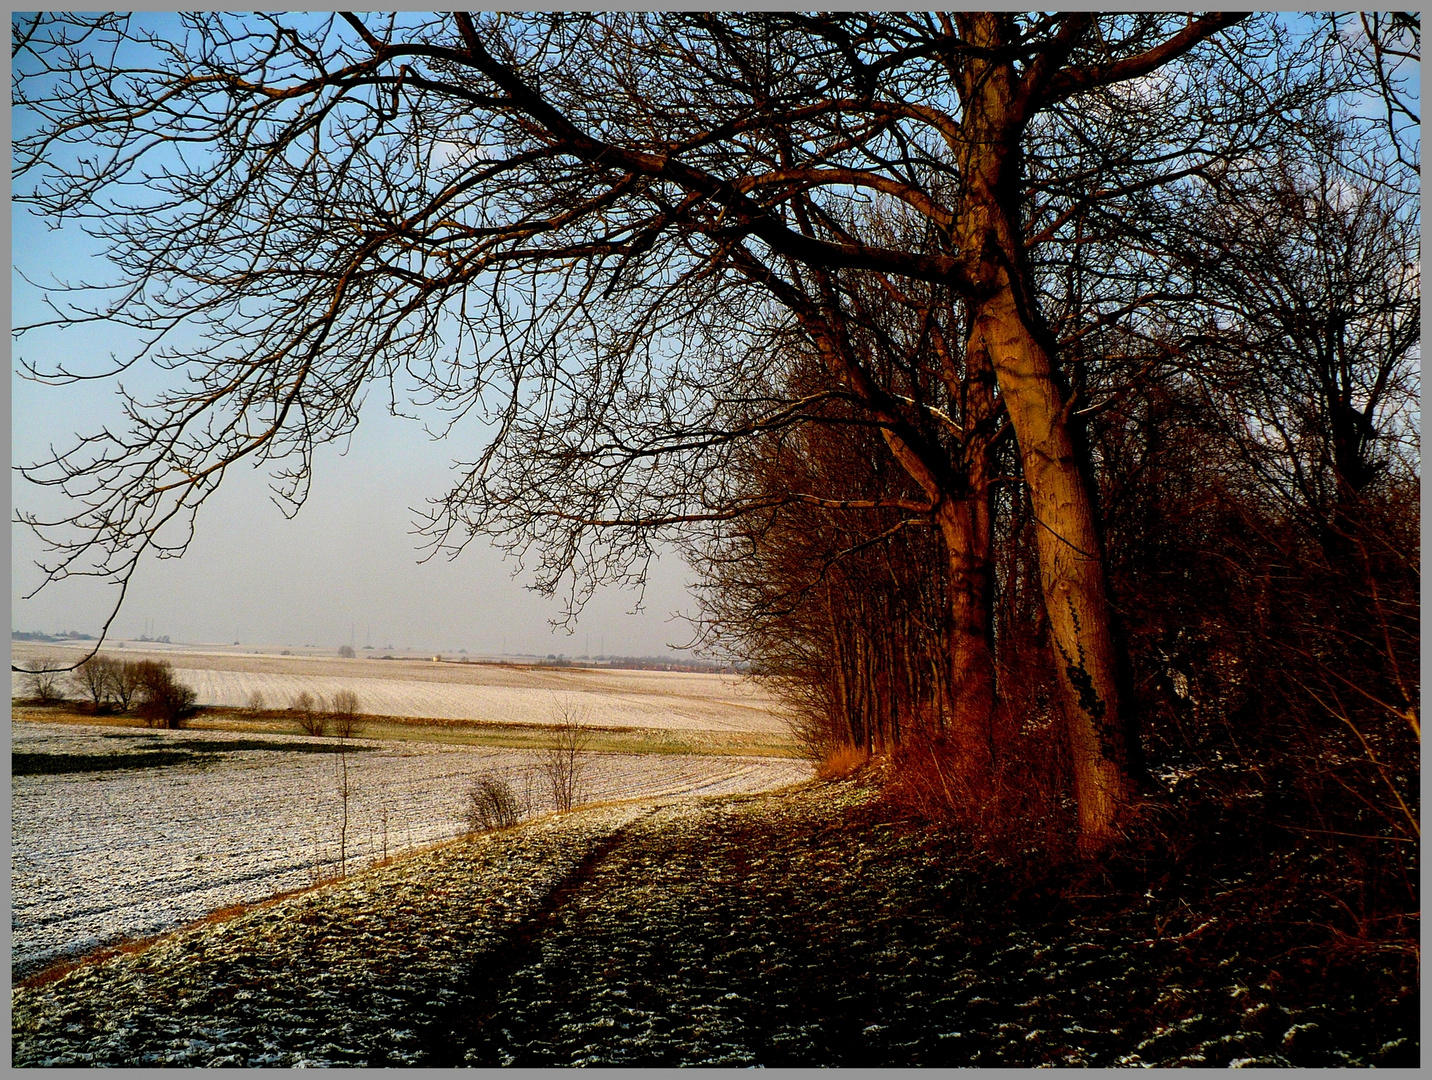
[256, 703]
[345, 791]
[562, 763]
[383, 814]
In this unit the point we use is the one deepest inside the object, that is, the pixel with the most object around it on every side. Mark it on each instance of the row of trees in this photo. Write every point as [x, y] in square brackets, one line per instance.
[342, 713]
[112, 685]
[917, 332]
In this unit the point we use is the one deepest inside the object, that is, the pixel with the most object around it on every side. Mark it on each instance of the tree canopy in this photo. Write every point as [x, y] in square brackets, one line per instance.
[923, 252]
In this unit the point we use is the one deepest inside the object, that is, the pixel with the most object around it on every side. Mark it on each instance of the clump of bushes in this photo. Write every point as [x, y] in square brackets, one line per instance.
[491, 804]
[163, 700]
[317, 717]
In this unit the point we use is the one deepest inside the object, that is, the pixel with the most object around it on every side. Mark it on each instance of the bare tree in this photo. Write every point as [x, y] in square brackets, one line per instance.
[588, 190]
[94, 679]
[563, 763]
[345, 709]
[125, 682]
[46, 680]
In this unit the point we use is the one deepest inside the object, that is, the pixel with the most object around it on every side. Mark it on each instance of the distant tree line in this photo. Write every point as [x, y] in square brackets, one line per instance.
[1034, 392]
[109, 685]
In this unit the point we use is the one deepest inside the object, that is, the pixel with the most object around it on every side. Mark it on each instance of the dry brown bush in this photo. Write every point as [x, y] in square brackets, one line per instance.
[841, 761]
[1024, 811]
[491, 804]
[163, 700]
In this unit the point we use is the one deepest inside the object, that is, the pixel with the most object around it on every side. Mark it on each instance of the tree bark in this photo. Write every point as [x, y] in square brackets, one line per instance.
[1005, 323]
[971, 656]
[1071, 568]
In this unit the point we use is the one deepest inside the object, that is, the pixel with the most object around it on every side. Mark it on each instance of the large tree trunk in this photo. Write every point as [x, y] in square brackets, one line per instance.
[971, 657]
[1005, 323]
[1070, 566]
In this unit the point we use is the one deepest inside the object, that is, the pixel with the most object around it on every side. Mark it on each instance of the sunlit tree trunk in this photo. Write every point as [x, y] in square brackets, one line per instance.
[1071, 568]
[1006, 324]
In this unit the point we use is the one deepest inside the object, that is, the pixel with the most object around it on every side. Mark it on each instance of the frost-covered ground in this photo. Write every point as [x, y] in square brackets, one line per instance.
[794, 928]
[97, 856]
[484, 692]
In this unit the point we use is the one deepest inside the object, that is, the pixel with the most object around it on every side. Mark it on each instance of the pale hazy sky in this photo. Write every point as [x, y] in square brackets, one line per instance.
[346, 566]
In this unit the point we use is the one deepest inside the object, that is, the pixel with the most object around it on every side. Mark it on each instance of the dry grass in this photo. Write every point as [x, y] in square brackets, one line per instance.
[481, 733]
[842, 761]
[1023, 809]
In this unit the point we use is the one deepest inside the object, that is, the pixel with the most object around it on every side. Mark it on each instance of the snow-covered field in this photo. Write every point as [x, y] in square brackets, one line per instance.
[102, 855]
[453, 691]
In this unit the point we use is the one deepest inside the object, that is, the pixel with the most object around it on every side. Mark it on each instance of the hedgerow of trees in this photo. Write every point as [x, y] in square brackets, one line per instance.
[1034, 389]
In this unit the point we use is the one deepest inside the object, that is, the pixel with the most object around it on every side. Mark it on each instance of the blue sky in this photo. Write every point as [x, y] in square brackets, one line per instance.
[347, 564]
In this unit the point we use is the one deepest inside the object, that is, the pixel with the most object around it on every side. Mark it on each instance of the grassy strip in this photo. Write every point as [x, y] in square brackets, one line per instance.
[206, 747]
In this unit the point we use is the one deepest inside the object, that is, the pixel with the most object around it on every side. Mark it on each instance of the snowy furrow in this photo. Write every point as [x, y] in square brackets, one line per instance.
[103, 855]
[351, 974]
[606, 698]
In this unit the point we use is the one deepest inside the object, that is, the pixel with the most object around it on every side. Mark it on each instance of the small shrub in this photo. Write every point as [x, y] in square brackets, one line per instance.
[346, 651]
[256, 702]
[309, 712]
[46, 684]
[491, 804]
[345, 712]
[164, 700]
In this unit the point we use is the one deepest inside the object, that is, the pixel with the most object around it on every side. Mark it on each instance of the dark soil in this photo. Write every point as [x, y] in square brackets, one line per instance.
[171, 752]
[794, 938]
[810, 927]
